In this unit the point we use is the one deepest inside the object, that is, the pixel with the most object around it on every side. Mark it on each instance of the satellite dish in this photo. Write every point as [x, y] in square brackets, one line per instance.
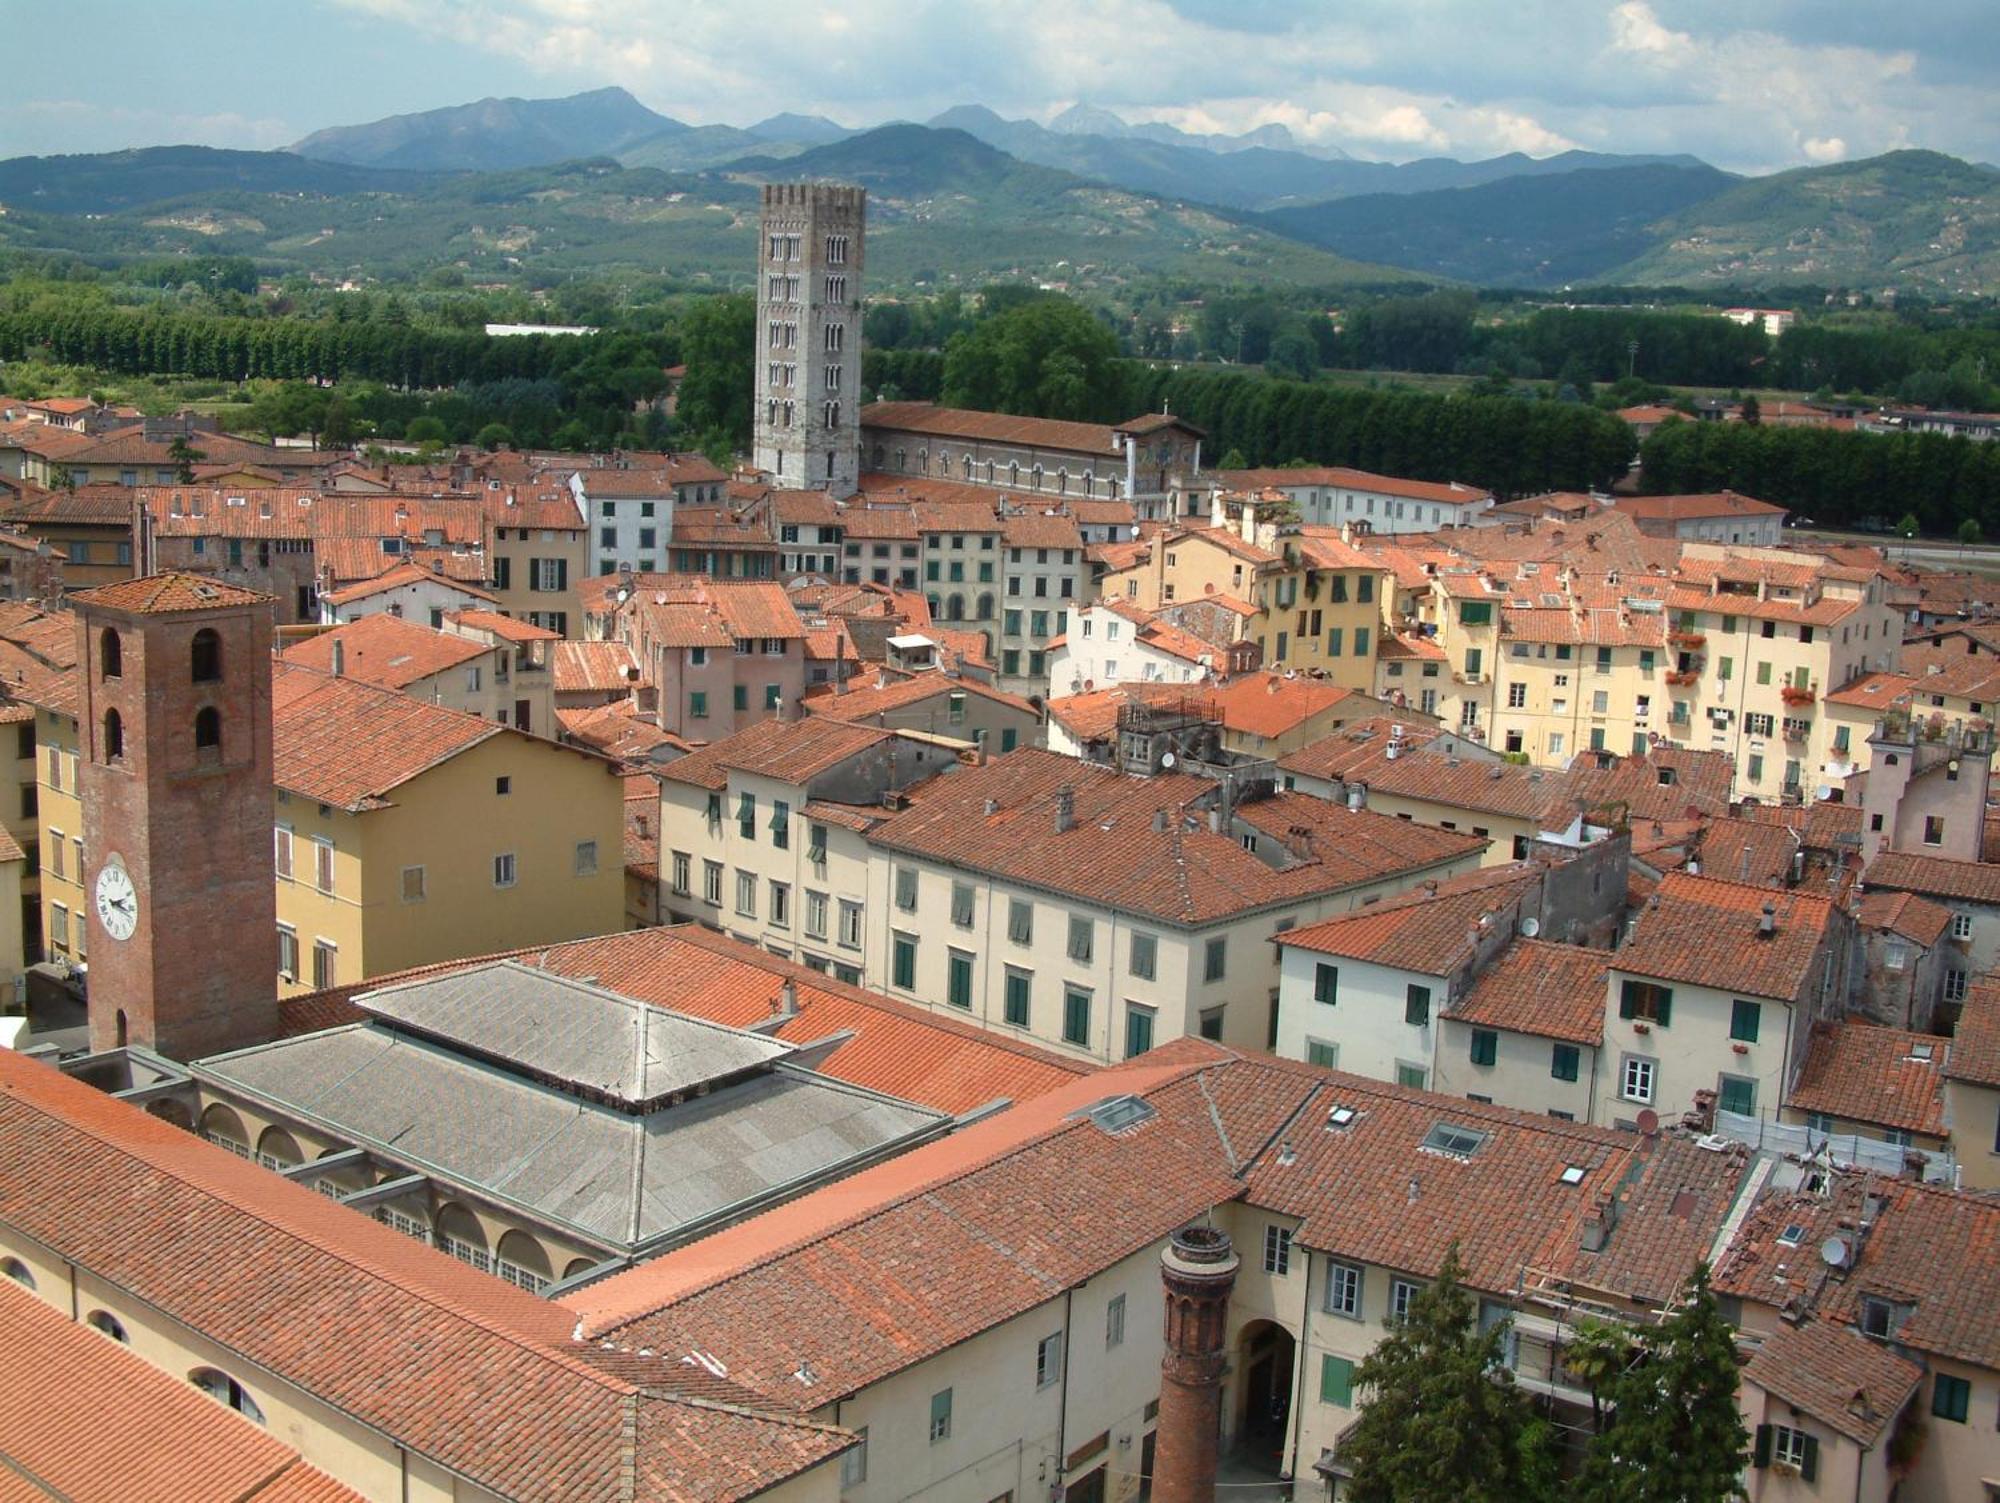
[1530, 927]
[1823, 792]
[1649, 1121]
[1167, 759]
[1833, 1252]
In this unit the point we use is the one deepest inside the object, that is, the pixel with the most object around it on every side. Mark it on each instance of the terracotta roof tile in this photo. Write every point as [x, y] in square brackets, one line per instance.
[342, 742]
[1935, 876]
[1550, 990]
[1884, 1076]
[790, 751]
[593, 667]
[507, 628]
[993, 427]
[386, 650]
[87, 1418]
[1335, 478]
[1705, 931]
[398, 577]
[164, 594]
[1430, 929]
[1903, 913]
[1836, 1376]
[900, 694]
[1975, 1047]
[1665, 1218]
[1714, 504]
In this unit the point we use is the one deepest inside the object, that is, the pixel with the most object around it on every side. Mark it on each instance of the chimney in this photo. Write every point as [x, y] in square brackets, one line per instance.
[786, 1003]
[1767, 921]
[1159, 821]
[1597, 1225]
[1065, 809]
[339, 658]
[992, 807]
[1198, 1269]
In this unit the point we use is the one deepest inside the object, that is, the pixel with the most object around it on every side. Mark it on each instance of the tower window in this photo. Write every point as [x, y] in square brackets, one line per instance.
[207, 729]
[110, 654]
[114, 733]
[205, 657]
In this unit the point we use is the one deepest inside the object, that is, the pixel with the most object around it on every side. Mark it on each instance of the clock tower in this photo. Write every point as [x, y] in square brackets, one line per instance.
[174, 755]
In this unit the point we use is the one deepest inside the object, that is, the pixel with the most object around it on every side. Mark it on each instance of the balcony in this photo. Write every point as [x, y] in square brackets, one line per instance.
[1683, 678]
[1797, 730]
[1688, 641]
[1794, 694]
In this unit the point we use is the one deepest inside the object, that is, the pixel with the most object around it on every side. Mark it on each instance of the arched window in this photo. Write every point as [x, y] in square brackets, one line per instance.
[460, 1234]
[1014, 473]
[278, 1149]
[878, 456]
[519, 1260]
[576, 1266]
[225, 1129]
[114, 736]
[932, 603]
[18, 1271]
[110, 654]
[954, 608]
[205, 656]
[208, 728]
[218, 1385]
[985, 608]
[121, 1028]
[109, 1324]
[1036, 479]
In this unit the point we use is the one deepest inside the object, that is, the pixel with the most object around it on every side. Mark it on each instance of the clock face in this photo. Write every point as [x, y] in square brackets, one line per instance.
[117, 902]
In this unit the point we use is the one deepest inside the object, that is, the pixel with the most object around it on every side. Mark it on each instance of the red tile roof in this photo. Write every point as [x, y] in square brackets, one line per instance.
[1335, 478]
[990, 427]
[440, 1345]
[900, 694]
[399, 577]
[1884, 1076]
[593, 668]
[1705, 931]
[1975, 1048]
[1904, 913]
[790, 751]
[386, 650]
[1432, 929]
[165, 594]
[1112, 855]
[1935, 877]
[89, 1419]
[1550, 990]
[1689, 508]
[507, 628]
[1837, 1376]
[342, 742]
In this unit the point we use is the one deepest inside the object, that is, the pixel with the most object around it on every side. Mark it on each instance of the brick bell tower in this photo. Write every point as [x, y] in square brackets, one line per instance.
[1198, 1268]
[174, 751]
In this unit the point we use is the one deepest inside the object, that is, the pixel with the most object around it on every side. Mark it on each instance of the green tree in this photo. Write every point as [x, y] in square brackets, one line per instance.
[1234, 460]
[1675, 1435]
[719, 346]
[1441, 1422]
[1293, 355]
[1968, 531]
[495, 436]
[185, 457]
[1047, 357]
[426, 430]
[1908, 526]
[339, 429]
[1752, 410]
[1595, 1356]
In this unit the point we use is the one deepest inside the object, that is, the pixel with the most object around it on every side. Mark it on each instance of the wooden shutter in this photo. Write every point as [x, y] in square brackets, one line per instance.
[1809, 1458]
[1761, 1450]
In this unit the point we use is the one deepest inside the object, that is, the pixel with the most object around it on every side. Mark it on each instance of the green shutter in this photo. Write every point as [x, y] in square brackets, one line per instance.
[1485, 1046]
[1564, 1062]
[1744, 1019]
[1336, 1381]
[1809, 1460]
[1760, 1454]
[1664, 1008]
[1326, 982]
[1417, 1006]
[1628, 999]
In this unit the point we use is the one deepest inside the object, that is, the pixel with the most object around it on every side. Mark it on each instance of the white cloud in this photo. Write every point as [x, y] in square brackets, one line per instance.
[1824, 149]
[38, 127]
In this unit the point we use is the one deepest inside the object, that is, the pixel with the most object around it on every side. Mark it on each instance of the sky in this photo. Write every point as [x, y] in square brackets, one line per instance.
[1752, 88]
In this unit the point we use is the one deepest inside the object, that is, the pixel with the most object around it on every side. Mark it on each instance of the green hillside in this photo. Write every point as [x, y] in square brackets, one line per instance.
[1916, 219]
[943, 203]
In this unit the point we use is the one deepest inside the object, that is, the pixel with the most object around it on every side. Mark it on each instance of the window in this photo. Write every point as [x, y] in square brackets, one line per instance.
[1326, 983]
[1401, 1293]
[1048, 1360]
[906, 889]
[1951, 1398]
[1410, 1075]
[1017, 988]
[1277, 1249]
[1114, 1322]
[1485, 1046]
[502, 787]
[1336, 1381]
[941, 1416]
[1343, 1290]
[207, 729]
[1417, 1006]
[1564, 1060]
[281, 853]
[850, 924]
[1933, 830]
[815, 914]
[1961, 926]
[205, 656]
[110, 1325]
[1782, 1445]
[1144, 955]
[1954, 986]
[903, 961]
[1319, 1052]
[288, 953]
[226, 1390]
[711, 882]
[1020, 921]
[958, 979]
[1635, 1080]
[326, 964]
[323, 864]
[1738, 1094]
[1646, 1001]
[697, 704]
[961, 904]
[1082, 936]
[586, 858]
[1138, 1029]
[1076, 1016]
[781, 905]
[413, 884]
[59, 926]
[1744, 1020]
[746, 894]
[781, 824]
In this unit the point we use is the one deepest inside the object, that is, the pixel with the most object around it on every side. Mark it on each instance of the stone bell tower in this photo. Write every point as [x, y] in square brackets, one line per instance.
[174, 771]
[808, 407]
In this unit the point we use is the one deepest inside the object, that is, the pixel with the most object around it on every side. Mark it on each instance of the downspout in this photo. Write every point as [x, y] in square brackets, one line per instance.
[1062, 1400]
[1299, 1378]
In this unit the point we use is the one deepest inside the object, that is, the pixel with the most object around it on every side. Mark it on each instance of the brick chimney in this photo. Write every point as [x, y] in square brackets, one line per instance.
[1198, 1269]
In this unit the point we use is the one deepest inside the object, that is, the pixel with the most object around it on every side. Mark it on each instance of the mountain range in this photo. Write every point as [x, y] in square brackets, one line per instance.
[599, 181]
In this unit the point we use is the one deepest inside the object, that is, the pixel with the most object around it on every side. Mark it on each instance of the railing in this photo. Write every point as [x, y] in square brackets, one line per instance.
[1683, 678]
[1794, 694]
[1878, 1154]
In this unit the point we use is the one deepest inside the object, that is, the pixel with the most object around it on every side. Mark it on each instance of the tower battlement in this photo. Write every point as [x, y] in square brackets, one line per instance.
[816, 197]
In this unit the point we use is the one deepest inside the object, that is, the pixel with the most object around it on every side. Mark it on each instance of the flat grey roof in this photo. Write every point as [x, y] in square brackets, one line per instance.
[621, 1177]
[571, 1032]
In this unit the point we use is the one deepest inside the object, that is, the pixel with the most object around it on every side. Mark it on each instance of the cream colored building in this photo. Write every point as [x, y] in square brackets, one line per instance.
[407, 833]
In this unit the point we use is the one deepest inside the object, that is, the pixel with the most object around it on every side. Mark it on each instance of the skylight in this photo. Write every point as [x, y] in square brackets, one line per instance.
[1115, 1113]
[1459, 1142]
[1340, 1116]
[1573, 1174]
[1792, 1235]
